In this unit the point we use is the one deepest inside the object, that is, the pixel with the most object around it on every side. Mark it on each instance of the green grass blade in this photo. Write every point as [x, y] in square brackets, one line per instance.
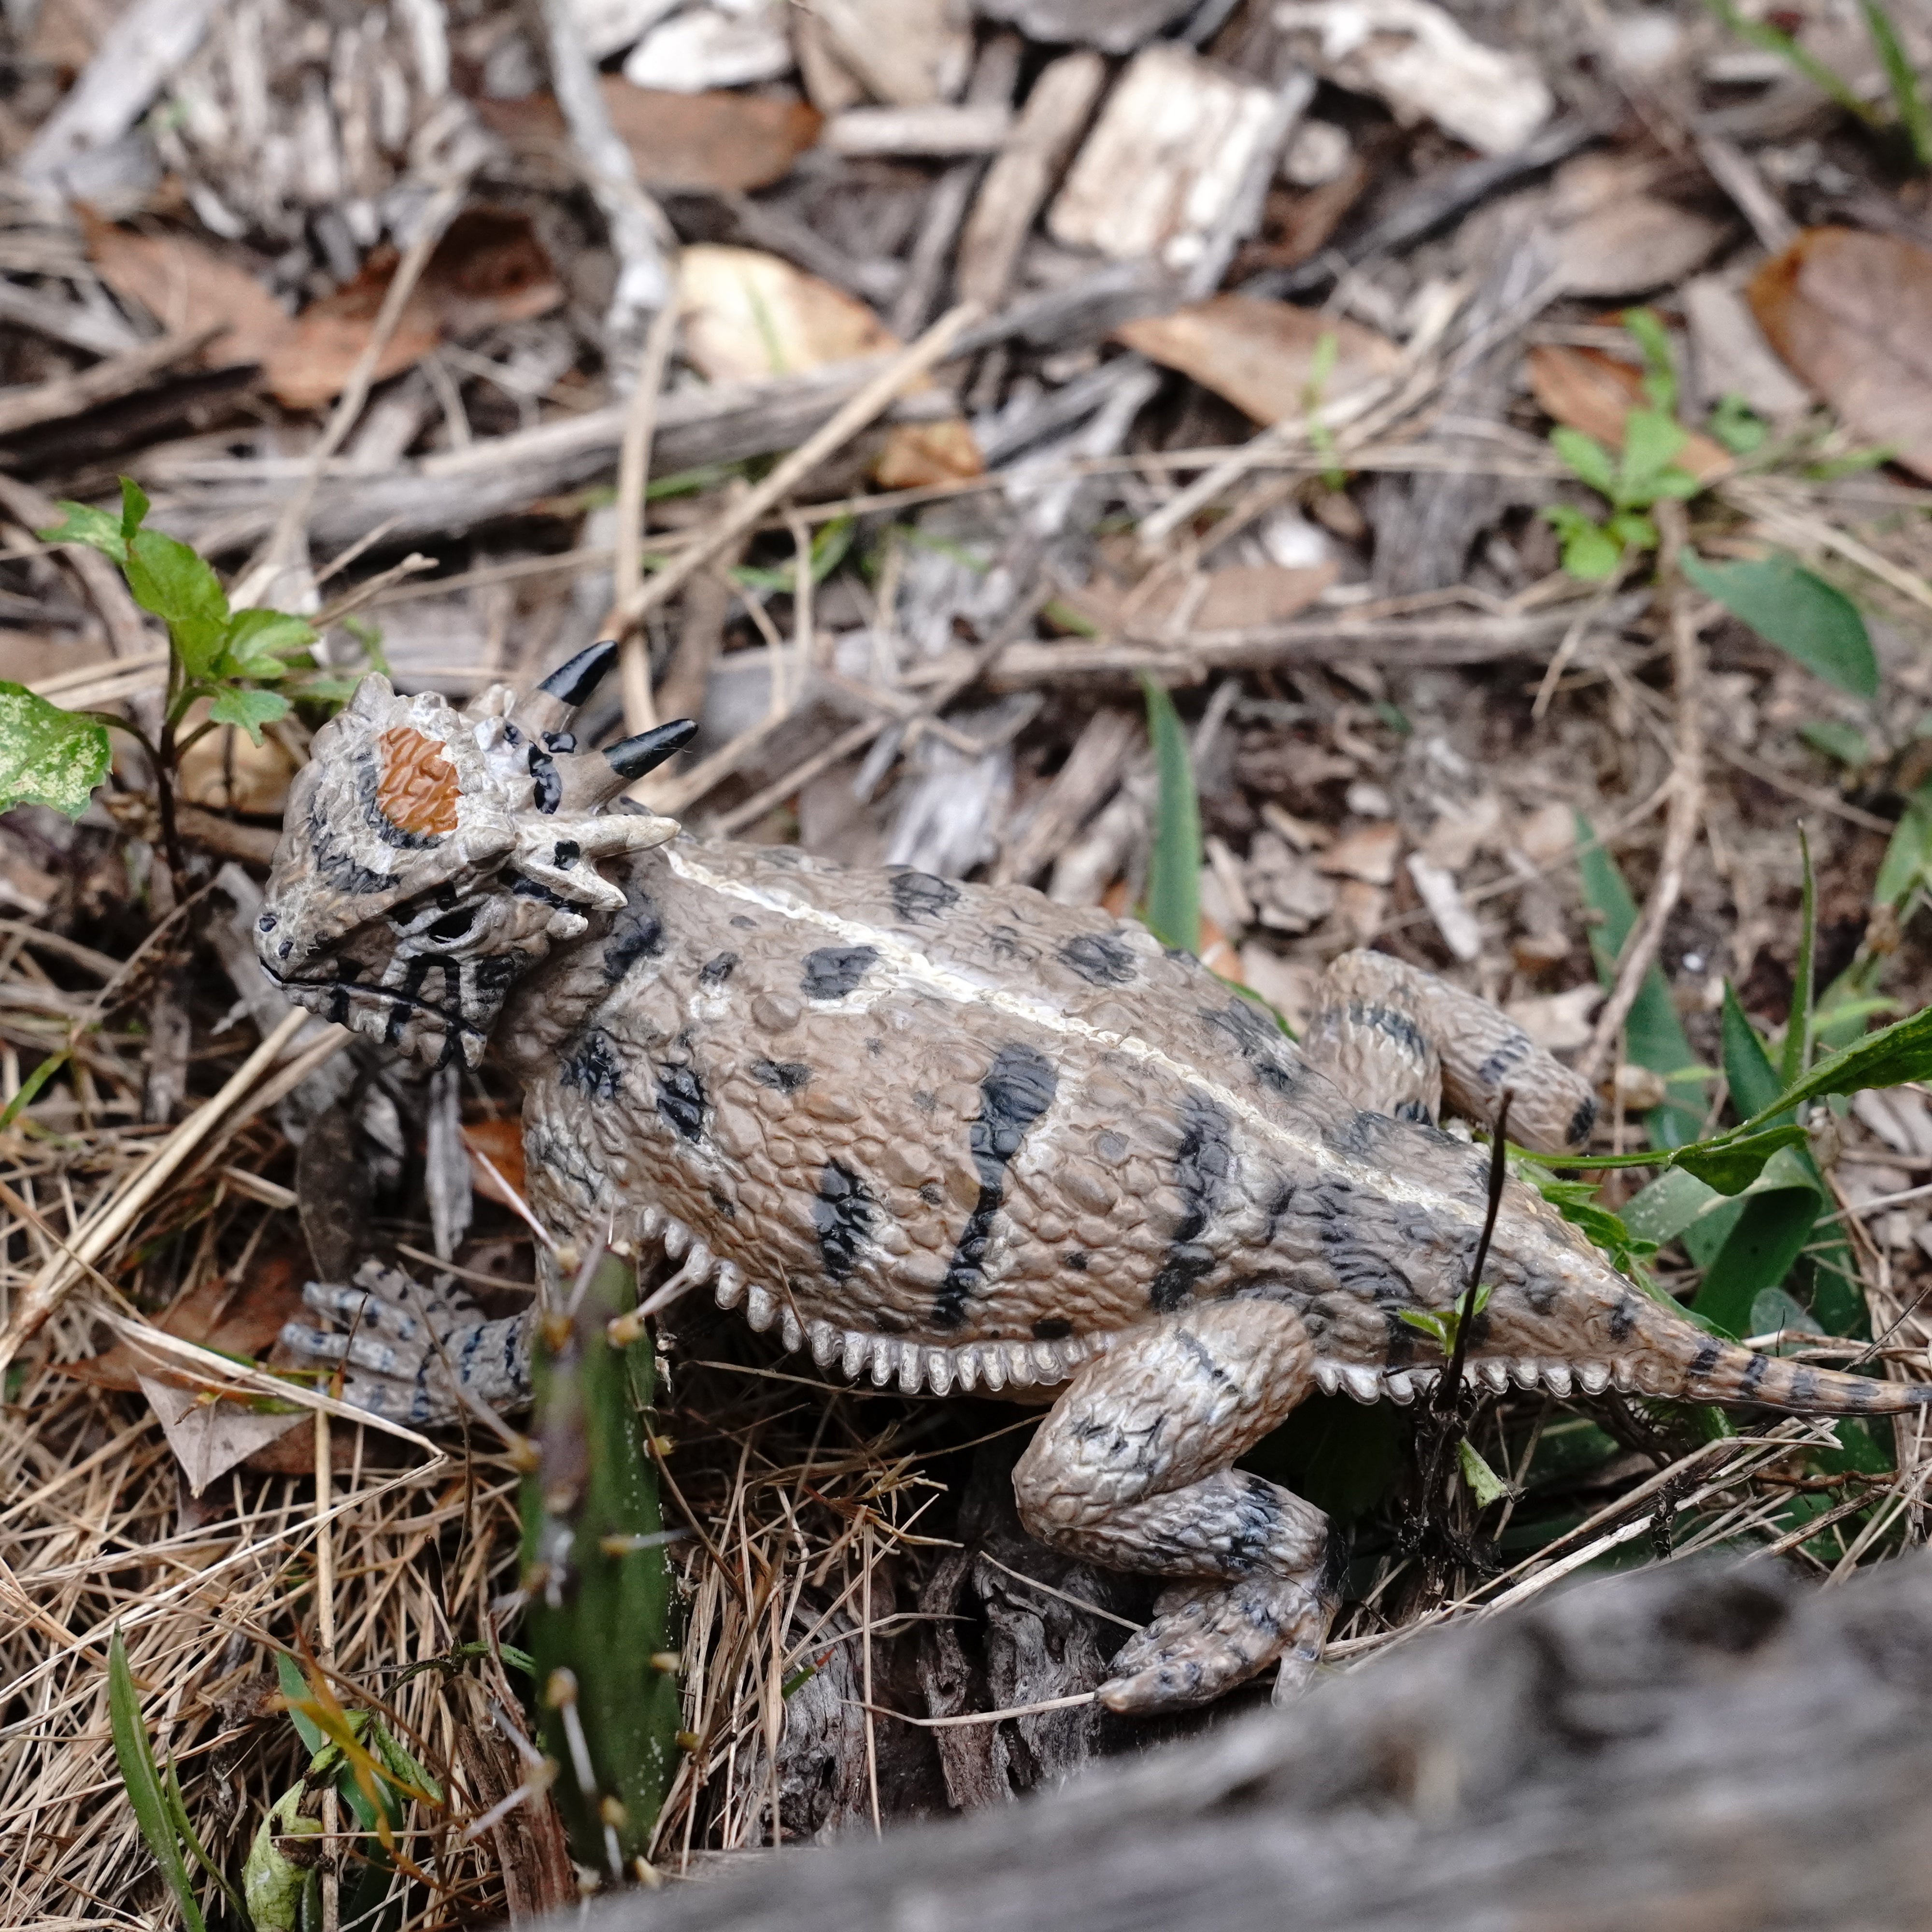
[1797, 1055]
[1173, 873]
[133, 1753]
[177, 1805]
[1829, 80]
[1654, 1035]
[30, 1087]
[1914, 115]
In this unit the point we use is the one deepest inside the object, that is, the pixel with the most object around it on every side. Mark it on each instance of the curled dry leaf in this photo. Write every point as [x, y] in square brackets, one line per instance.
[489, 268]
[719, 142]
[749, 315]
[500, 1143]
[186, 285]
[1851, 313]
[1594, 392]
[1261, 356]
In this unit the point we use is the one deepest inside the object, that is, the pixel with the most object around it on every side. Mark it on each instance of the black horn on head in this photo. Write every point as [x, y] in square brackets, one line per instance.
[634, 757]
[550, 705]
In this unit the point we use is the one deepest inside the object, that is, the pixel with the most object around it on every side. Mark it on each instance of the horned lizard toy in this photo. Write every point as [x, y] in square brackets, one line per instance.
[956, 1137]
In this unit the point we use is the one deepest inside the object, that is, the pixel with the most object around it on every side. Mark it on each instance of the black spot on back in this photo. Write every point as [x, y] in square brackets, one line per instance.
[1202, 1166]
[1051, 1328]
[1099, 958]
[1581, 1121]
[743, 921]
[1076, 1259]
[681, 1098]
[590, 1064]
[1260, 1043]
[637, 933]
[1622, 1320]
[833, 971]
[1017, 1089]
[787, 1076]
[843, 1212]
[715, 972]
[921, 896]
[1516, 1047]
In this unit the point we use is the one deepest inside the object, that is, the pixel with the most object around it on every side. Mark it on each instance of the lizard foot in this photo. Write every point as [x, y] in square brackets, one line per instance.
[407, 1349]
[1206, 1639]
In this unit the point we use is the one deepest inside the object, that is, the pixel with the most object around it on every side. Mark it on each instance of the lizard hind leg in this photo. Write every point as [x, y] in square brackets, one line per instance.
[1131, 1469]
[1401, 1041]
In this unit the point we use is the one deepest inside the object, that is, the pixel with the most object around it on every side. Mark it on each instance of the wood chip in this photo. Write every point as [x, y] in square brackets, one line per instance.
[1367, 854]
[1436, 887]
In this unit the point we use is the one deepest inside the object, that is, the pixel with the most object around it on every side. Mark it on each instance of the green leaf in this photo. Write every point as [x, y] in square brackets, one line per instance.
[134, 508]
[1904, 869]
[169, 580]
[1837, 739]
[1587, 457]
[1662, 1211]
[84, 524]
[1730, 1165]
[1590, 552]
[1890, 1057]
[1814, 623]
[1736, 425]
[1654, 1035]
[294, 1693]
[257, 643]
[1650, 440]
[1760, 1250]
[1645, 327]
[1174, 871]
[1914, 116]
[1797, 1055]
[271, 1881]
[1633, 529]
[135, 1758]
[48, 756]
[1753, 1080]
[1485, 1485]
[244, 705]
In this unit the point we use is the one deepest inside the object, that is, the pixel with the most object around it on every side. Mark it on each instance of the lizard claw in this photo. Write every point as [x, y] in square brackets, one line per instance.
[1206, 1639]
[404, 1343]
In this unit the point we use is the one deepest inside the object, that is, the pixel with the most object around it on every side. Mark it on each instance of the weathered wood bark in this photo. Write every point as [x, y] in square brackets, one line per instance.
[1699, 1746]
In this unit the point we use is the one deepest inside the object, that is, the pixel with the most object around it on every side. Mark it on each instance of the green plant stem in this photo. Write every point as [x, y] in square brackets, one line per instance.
[166, 758]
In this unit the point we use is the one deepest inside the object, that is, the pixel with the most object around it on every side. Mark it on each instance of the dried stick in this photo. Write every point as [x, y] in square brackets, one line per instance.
[44, 1294]
[68, 395]
[884, 389]
[1687, 801]
[634, 469]
[293, 521]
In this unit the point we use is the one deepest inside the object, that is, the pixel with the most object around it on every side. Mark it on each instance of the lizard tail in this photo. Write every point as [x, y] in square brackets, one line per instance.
[1723, 1371]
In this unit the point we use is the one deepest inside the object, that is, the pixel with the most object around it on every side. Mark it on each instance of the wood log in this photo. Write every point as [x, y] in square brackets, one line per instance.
[1704, 1746]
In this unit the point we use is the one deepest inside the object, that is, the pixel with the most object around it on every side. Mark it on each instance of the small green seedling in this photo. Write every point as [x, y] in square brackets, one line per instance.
[1444, 1325]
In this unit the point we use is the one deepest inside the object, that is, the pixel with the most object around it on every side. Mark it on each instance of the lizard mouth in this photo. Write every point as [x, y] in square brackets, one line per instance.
[351, 1003]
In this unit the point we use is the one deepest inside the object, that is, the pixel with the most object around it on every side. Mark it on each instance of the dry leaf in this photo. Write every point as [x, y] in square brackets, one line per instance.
[749, 316]
[1851, 313]
[722, 143]
[209, 1435]
[1633, 244]
[488, 268]
[227, 771]
[185, 285]
[1594, 392]
[1560, 1022]
[500, 1143]
[1248, 595]
[1259, 355]
[237, 1318]
[1367, 854]
[1291, 986]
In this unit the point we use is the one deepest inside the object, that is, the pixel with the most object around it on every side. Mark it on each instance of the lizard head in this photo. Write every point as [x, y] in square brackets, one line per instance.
[430, 857]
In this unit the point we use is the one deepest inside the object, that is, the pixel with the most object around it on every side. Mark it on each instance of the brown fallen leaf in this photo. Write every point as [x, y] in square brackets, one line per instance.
[500, 1144]
[1851, 313]
[1367, 854]
[209, 1435]
[488, 268]
[1632, 245]
[723, 142]
[185, 286]
[238, 1318]
[1594, 392]
[748, 315]
[1234, 599]
[1259, 355]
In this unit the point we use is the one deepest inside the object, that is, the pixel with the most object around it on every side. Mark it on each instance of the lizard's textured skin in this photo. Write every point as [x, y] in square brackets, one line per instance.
[948, 1136]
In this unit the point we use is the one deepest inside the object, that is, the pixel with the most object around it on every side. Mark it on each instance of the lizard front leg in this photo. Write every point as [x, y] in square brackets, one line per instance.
[407, 1349]
[1132, 1469]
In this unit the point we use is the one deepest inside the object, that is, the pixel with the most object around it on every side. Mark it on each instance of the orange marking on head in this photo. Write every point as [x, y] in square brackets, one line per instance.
[418, 791]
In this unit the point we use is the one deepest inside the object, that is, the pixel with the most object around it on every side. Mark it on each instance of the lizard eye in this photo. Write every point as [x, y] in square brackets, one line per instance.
[453, 925]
